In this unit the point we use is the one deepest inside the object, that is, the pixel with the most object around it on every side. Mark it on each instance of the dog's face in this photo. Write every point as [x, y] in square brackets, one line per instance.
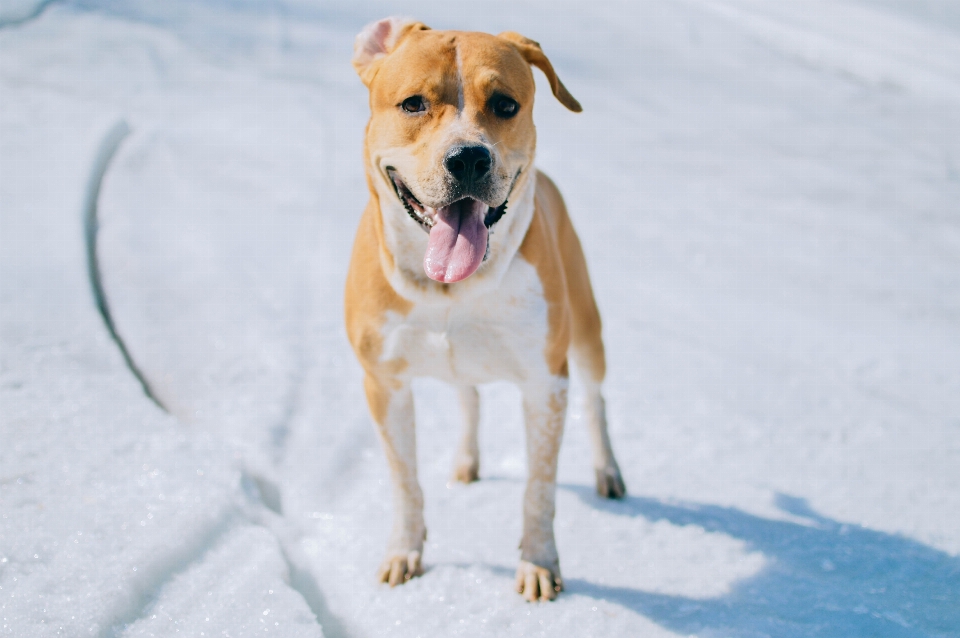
[451, 131]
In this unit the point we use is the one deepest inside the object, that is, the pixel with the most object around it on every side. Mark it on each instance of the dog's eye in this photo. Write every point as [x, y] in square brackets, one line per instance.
[413, 104]
[504, 107]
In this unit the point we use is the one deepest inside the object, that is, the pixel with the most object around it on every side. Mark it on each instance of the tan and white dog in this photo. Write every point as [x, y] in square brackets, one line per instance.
[466, 268]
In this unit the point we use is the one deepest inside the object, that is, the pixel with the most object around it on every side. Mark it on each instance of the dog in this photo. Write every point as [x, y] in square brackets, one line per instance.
[466, 268]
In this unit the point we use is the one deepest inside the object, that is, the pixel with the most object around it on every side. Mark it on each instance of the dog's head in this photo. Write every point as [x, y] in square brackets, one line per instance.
[451, 130]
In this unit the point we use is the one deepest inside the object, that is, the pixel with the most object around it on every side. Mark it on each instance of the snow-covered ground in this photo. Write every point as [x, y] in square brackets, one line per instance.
[769, 198]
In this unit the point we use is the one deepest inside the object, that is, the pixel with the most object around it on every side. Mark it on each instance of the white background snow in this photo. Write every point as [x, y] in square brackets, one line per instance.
[769, 198]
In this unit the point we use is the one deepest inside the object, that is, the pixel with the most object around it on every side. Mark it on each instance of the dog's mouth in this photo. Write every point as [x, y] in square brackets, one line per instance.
[459, 232]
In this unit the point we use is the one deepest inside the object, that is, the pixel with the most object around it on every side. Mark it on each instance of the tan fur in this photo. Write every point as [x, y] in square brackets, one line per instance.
[585, 329]
[516, 317]
[367, 297]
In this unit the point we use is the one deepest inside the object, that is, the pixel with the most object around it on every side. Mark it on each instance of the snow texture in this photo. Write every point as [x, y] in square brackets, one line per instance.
[767, 194]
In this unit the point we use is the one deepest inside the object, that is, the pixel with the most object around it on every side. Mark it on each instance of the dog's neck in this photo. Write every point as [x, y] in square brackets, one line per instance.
[403, 244]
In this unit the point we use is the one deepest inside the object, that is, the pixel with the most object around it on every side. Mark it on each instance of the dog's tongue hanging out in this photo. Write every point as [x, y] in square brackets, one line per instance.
[457, 241]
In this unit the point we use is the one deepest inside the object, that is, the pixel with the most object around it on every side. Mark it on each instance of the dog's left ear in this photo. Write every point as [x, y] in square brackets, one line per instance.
[377, 40]
[534, 55]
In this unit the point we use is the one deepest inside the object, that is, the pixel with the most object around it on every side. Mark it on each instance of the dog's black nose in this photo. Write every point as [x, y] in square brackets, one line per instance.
[468, 164]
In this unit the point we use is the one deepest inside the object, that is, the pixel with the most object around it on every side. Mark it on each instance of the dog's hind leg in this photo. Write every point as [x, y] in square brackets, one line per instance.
[609, 481]
[588, 355]
[466, 468]
[391, 403]
[586, 348]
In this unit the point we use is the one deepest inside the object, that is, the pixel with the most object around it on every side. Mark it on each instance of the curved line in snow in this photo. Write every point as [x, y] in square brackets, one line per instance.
[108, 149]
[33, 13]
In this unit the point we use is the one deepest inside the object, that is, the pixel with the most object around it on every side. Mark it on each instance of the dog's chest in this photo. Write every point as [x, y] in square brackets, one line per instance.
[497, 335]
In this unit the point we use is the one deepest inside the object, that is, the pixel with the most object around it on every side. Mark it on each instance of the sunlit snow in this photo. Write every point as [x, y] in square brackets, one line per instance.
[768, 194]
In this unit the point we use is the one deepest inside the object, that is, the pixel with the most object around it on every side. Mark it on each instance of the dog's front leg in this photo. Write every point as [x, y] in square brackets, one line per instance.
[544, 406]
[391, 402]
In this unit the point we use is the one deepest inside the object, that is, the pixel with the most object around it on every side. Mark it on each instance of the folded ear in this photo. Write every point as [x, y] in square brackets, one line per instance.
[534, 55]
[376, 40]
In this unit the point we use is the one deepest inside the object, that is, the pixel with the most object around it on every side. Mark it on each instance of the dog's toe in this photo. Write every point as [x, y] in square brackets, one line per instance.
[610, 483]
[398, 569]
[537, 583]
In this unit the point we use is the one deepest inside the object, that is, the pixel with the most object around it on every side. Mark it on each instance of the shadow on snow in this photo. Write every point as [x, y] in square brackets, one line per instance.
[821, 579]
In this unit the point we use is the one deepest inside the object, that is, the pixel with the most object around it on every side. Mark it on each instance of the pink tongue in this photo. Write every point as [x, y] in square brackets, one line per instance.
[457, 242]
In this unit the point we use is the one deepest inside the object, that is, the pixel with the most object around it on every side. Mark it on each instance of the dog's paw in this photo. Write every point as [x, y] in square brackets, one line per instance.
[399, 568]
[467, 471]
[610, 483]
[537, 583]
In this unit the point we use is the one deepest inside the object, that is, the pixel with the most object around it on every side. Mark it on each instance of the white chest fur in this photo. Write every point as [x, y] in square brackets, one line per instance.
[499, 334]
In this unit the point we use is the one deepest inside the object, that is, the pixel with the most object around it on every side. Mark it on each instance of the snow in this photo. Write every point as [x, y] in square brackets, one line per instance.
[767, 196]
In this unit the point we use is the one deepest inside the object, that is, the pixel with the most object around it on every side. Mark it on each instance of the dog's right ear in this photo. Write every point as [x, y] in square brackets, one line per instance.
[376, 40]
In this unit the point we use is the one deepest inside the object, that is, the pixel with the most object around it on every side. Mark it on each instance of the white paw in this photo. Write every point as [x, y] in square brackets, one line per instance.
[538, 583]
[397, 569]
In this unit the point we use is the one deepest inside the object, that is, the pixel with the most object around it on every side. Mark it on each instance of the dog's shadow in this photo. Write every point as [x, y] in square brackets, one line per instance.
[822, 578]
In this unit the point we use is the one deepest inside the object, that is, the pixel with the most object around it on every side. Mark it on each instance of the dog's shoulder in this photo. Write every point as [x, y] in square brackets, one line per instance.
[368, 295]
[548, 234]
